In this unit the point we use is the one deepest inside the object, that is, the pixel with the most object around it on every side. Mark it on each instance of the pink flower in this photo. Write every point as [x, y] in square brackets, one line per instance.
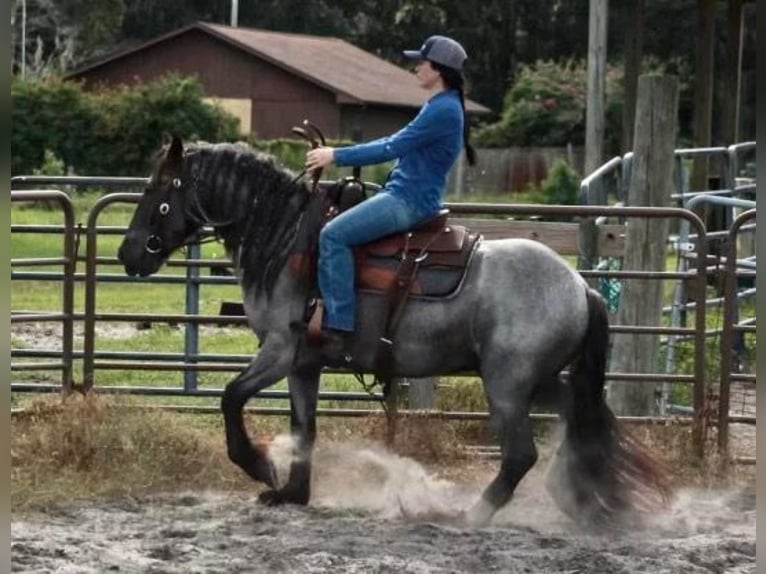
[550, 104]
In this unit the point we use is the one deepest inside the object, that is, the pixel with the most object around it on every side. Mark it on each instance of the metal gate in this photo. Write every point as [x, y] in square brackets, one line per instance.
[191, 362]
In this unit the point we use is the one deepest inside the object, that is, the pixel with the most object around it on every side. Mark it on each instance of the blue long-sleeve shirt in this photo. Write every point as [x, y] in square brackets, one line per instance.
[426, 149]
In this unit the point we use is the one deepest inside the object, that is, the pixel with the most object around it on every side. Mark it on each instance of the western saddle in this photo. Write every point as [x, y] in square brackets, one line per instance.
[393, 266]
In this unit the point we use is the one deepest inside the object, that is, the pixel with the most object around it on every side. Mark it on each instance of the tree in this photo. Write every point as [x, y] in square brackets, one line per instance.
[49, 42]
[59, 33]
[703, 88]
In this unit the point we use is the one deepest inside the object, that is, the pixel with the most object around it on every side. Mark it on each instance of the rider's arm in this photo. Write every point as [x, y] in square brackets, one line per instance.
[432, 123]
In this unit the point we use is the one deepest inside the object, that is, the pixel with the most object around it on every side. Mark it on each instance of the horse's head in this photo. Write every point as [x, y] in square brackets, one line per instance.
[160, 224]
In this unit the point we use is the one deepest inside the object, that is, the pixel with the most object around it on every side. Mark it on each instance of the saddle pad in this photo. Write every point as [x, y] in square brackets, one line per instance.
[438, 275]
[450, 239]
[430, 281]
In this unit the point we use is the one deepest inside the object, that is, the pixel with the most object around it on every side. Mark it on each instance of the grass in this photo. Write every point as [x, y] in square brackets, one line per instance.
[86, 449]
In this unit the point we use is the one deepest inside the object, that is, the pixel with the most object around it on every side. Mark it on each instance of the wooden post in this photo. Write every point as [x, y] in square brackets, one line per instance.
[651, 184]
[392, 412]
[594, 120]
[733, 71]
[421, 394]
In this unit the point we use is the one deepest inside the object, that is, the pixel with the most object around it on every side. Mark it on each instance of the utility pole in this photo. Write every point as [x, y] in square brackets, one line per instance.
[234, 13]
[23, 38]
[594, 115]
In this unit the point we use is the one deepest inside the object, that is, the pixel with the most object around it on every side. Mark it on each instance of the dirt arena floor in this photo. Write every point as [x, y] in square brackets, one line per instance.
[376, 512]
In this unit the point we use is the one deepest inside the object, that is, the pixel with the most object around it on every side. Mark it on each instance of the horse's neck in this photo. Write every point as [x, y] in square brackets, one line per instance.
[222, 203]
[258, 209]
[213, 202]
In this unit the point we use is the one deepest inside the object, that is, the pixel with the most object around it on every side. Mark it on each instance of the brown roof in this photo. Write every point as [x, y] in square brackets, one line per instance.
[353, 74]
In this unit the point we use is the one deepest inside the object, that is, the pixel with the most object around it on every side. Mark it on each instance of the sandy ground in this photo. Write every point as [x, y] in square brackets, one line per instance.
[375, 512]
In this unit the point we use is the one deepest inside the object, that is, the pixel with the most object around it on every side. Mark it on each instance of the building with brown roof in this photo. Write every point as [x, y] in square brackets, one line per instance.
[273, 80]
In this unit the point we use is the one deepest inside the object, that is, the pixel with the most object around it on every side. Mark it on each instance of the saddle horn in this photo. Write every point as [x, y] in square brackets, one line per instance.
[305, 135]
[312, 139]
[317, 132]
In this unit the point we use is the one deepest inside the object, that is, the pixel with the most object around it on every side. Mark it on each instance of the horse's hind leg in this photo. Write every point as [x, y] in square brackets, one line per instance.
[509, 402]
[304, 390]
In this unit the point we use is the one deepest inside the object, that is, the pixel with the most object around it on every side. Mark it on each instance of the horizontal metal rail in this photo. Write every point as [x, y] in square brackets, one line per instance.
[200, 392]
[40, 317]
[122, 278]
[39, 262]
[361, 413]
[77, 181]
[57, 366]
[126, 356]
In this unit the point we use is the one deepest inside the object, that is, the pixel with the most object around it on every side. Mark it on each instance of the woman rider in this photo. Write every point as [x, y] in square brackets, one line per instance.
[426, 149]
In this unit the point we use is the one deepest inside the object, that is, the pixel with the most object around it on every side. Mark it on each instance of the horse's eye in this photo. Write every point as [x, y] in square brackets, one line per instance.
[164, 208]
[176, 183]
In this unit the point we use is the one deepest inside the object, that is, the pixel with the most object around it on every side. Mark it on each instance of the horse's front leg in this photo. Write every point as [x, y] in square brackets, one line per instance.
[272, 363]
[304, 390]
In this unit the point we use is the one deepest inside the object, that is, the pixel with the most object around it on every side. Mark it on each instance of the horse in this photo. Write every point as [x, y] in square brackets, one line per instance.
[520, 317]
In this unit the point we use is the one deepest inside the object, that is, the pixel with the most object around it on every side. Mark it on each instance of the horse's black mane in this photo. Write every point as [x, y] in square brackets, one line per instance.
[260, 203]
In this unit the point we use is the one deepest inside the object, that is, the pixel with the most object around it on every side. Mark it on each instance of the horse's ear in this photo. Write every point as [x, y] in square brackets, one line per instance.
[174, 155]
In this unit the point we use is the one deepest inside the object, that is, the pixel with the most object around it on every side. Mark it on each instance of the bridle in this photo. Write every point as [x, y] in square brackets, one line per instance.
[154, 244]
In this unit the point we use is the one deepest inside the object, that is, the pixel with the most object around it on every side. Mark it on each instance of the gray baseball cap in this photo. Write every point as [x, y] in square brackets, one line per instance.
[441, 50]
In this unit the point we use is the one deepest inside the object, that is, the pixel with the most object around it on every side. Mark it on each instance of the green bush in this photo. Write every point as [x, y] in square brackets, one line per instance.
[51, 115]
[59, 126]
[52, 165]
[560, 187]
[140, 117]
[546, 107]
[113, 132]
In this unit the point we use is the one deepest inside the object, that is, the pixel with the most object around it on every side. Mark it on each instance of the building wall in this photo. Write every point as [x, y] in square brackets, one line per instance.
[362, 123]
[280, 100]
[241, 108]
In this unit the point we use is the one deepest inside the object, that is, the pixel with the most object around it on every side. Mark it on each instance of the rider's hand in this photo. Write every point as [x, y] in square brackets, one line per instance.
[319, 157]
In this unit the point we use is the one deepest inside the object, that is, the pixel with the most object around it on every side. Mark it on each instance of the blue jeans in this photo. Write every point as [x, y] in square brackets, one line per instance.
[381, 215]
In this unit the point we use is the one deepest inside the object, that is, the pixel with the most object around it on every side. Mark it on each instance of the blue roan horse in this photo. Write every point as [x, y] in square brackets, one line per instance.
[520, 317]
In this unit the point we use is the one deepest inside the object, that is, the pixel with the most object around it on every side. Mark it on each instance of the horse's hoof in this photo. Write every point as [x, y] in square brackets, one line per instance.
[277, 497]
[479, 515]
[270, 498]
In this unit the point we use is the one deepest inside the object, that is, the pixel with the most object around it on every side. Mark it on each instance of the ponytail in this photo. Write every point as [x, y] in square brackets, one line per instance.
[454, 80]
[470, 153]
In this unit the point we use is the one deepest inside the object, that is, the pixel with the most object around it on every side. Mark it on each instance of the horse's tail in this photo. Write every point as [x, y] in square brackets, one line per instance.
[607, 474]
